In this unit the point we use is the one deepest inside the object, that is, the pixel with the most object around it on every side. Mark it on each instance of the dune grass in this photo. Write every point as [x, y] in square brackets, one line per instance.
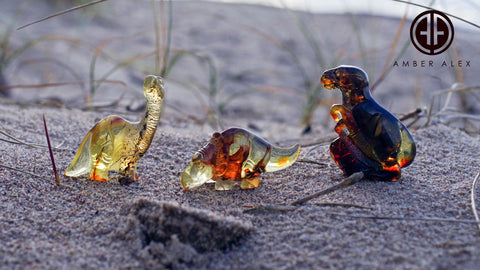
[214, 99]
[473, 199]
[313, 91]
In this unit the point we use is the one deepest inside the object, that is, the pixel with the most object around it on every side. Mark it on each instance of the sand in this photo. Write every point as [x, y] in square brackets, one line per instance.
[156, 224]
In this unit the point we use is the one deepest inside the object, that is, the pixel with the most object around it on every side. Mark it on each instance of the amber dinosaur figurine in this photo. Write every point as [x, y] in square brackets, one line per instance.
[236, 155]
[115, 144]
[371, 140]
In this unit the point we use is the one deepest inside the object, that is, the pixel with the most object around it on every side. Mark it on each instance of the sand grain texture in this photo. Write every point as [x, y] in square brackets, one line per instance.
[85, 223]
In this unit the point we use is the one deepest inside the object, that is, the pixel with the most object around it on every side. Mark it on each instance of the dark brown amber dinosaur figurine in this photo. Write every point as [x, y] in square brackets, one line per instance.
[115, 144]
[236, 155]
[372, 140]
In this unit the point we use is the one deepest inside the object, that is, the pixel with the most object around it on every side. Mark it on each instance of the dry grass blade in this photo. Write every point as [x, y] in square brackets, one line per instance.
[20, 141]
[351, 180]
[43, 85]
[51, 60]
[163, 32]
[386, 67]
[156, 24]
[8, 54]
[95, 84]
[283, 47]
[57, 177]
[472, 197]
[182, 112]
[167, 37]
[412, 114]
[308, 35]
[325, 140]
[427, 7]
[312, 162]
[61, 13]
[18, 170]
[274, 88]
[429, 115]
[448, 116]
[434, 219]
[343, 205]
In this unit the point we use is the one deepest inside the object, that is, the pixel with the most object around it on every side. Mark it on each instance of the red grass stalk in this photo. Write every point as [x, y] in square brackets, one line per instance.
[57, 177]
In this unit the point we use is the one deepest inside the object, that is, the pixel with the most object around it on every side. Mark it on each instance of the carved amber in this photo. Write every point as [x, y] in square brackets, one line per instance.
[115, 144]
[371, 139]
[236, 155]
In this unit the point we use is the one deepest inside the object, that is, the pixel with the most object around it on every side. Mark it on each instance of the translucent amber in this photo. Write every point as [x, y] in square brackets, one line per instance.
[115, 144]
[371, 139]
[236, 155]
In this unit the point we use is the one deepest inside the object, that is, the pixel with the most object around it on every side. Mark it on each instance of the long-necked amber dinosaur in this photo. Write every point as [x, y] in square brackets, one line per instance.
[115, 144]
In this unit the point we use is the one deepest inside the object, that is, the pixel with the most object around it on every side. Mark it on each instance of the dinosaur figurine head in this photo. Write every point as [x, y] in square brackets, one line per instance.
[153, 88]
[352, 81]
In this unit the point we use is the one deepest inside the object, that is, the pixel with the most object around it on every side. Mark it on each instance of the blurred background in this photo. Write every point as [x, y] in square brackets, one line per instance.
[466, 9]
[244, 63]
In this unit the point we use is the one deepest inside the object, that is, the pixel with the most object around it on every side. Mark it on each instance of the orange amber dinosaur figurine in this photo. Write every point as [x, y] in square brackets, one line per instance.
[236, 155]
[115, 144]
[371, 140]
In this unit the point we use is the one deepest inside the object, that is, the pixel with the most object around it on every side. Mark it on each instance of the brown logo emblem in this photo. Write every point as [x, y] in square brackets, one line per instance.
[431, 32]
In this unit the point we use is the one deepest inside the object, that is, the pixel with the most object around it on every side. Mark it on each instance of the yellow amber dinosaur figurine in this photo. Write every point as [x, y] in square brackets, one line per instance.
[115, 144]
[236, 155]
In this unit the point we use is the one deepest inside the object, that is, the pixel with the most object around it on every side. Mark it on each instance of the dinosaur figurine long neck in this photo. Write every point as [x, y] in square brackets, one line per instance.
[148, 125]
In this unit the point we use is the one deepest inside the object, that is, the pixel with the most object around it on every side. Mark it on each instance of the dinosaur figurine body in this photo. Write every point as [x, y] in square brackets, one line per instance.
[371, 139]
[115, 144]
[236, 155]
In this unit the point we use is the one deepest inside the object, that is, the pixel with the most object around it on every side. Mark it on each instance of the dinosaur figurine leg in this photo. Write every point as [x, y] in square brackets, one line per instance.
[344, 119]
[351, 160]
[249, 183]
[224, 185]
[128, 176]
